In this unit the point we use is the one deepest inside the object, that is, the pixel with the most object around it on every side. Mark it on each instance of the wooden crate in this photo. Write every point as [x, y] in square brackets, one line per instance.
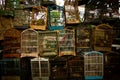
[39, 17]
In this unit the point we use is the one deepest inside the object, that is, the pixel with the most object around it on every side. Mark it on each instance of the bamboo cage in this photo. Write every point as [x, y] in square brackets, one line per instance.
[39, 17]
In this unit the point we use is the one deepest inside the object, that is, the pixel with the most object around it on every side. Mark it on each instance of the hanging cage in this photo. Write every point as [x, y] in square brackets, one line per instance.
[71, 12]
[40, 69]
[56, 18]
[39, 17]
[29, 43]
[103, 34]
[48, 44]
[93, 65]
[66, 42]
[11, 44]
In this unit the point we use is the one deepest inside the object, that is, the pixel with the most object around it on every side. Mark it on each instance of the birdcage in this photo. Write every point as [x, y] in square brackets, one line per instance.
[39, 17]
[10, 69]
[103, 34]
[29, 43]
[93, 65]
[83, 38]
[11, 44]
[21, 18]
[48, 44]
[56, 18]
[58, 68]
[76, 67]
[66, 42]
[40, 69]
[71, 12]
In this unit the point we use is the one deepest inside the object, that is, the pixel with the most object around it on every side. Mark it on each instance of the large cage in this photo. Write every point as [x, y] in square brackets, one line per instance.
[103, 35]
[11, 44]
[29, 43]
[39, 17]
[71, 12]
[40, 68]
[93, 65]
[66, 42]
[10, 69]
[56, 17]
[48, 44]
[76, 67]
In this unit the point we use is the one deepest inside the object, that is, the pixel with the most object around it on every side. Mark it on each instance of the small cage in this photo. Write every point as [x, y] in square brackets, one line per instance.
[10, 69]
[40, 69]
[103, 34]
[66, 42]
[29, 43]
[11, 44]
[21, 18]
[93, 65]
[56, 18]
[58, 68]
[39, 17]
[84, 38]
[48, 44]
[76, 67]
[71, 12]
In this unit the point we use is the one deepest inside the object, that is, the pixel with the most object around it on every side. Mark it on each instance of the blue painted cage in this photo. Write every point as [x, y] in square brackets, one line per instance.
[93, 65]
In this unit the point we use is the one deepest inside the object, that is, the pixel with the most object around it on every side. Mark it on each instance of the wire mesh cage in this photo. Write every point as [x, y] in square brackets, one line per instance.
[58, 68]
[56, 17]
[48, 44]
[66, 42]
[29, 43]
[39, 17]
[83, 38]
[71, 12]
[11, 44]
[8, 71]
[93, 65]
[40, 69]
[103, 35]
[76, 67]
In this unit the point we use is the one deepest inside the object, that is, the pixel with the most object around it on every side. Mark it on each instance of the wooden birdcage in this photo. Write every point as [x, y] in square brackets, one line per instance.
[40, 69]
[83, 38]
[29, 43]
[93, 65]
[39, 17]
[10, 69]
[76, 67]
[66, 42]
[103, 34]
[21, 18]
[11, 44]
[48, 44]
[56, 17]
[71, 12]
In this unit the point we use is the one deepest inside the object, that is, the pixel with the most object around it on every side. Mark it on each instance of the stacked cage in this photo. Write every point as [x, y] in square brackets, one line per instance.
[40, 69]
[29, 43]
[48, 44]
[10, 69]
[76, 68]
[66, 42]
[93, 65]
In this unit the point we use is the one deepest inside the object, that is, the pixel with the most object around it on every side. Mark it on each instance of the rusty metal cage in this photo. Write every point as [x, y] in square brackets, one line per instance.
[29, 43]
[93, 65]
[40, 69]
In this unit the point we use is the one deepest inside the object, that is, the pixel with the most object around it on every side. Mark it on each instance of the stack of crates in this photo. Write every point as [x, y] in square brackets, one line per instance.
[40, 69]
[93, 65]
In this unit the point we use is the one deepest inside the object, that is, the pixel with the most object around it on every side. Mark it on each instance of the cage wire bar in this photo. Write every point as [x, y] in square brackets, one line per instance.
[93, 65]
[40, 68]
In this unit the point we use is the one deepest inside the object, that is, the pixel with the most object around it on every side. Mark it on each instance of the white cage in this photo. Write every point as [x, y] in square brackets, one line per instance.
[29, 43]
[40, 69]
[93, 65]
